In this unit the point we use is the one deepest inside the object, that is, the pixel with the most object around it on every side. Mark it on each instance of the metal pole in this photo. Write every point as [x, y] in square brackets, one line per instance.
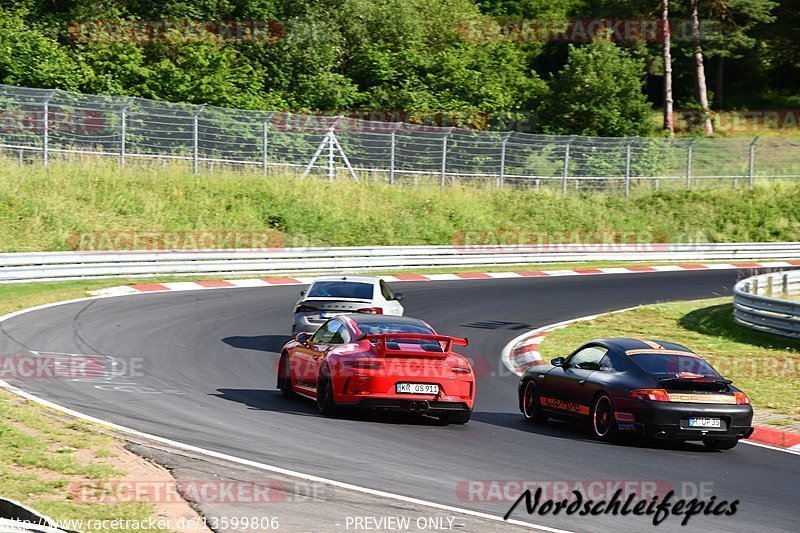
[391, 160]
[628, 169]
[264, 145]
[502, 176]
[122, 131]
[46, 129]
[689, 151]
[751, 179]
[444, 159]
[331, 162]
[196, 148]
[566, 170]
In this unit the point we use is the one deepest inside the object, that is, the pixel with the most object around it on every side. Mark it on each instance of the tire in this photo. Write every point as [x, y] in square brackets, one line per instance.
[284, 377]
[602, 418]
[531, 407]
[720, 444]
[456, 417]
[325, 402]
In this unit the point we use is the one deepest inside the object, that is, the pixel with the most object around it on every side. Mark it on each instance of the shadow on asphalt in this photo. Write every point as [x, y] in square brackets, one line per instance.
[271, 400]
[563, 429]
[263, 343]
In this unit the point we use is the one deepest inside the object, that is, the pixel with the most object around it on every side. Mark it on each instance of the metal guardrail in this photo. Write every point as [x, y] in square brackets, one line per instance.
[49, 266]
[44, 124]
[756, 305]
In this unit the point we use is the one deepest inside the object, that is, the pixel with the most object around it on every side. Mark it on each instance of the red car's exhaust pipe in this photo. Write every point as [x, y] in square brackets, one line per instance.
[412, 406]
[423, 406]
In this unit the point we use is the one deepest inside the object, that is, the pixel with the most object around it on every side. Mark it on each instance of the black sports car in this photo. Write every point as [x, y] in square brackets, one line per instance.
[634, 386]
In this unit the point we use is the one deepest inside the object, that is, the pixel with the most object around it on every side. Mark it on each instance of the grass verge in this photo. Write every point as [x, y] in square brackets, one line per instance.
[766, 367]
[52, 209]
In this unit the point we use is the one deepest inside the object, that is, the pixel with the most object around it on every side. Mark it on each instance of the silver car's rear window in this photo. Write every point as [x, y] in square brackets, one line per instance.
[341, 289]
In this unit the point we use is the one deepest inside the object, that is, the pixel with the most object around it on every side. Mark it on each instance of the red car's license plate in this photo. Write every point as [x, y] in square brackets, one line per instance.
[416, 388]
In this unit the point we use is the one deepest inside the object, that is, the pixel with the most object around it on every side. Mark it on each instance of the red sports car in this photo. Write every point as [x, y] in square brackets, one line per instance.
[382, 363]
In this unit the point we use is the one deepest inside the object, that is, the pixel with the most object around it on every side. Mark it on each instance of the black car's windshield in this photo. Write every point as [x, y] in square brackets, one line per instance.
[341, 289]
[674, 364]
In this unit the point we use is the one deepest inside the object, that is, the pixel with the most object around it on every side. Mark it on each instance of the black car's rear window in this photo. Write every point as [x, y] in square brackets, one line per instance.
[341, 289]
[672, 363]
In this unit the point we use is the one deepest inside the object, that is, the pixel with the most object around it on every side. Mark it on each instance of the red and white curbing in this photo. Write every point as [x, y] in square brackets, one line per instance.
[269, 282]
[523, 352]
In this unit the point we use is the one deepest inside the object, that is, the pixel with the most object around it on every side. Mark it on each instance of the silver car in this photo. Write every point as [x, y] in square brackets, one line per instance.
[329, 296]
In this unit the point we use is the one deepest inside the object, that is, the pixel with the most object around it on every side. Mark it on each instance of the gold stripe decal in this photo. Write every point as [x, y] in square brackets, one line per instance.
[661, 352]
[562, 405]
[702, 398]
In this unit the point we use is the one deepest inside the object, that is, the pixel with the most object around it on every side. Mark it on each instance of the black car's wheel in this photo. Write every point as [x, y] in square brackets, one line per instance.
[531, 408]
[285, 377]
[603, 418]
[325, 401]
[456, 417]
[720, 444]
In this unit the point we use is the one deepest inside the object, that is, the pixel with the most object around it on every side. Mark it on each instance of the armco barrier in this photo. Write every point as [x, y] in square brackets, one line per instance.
[48, 266]
[757, 306]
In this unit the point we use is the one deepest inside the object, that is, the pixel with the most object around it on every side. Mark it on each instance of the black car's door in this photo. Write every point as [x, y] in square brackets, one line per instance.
[565, 388]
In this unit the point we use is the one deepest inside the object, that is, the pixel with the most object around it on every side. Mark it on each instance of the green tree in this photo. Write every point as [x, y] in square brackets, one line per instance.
[598, 92]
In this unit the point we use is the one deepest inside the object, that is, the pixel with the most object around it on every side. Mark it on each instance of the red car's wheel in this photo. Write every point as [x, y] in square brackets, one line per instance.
[285, 377]
[325, 401]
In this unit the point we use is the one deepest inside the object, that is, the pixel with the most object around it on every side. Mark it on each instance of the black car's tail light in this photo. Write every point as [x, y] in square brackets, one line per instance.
[741, 398]
[654, 395]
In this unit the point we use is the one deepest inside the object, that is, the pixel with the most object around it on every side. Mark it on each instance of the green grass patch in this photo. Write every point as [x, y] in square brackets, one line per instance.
[766, 367]
[47, 209]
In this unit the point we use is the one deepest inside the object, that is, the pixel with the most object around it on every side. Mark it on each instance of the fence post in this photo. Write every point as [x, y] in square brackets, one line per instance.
[123, 131]
[331, 155]
[444, 158]
[46, 129]
[566, 170]
[265, 144]
[391, 158]
[689, 151]
[628, 168]
[502, 176]
[196, 139]
[751, 179]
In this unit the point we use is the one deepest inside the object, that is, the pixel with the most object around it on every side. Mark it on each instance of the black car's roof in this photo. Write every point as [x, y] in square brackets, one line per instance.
[623, 344]
[367, 318]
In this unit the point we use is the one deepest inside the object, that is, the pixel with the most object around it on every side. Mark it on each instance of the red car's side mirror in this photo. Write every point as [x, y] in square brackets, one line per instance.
[302, 337]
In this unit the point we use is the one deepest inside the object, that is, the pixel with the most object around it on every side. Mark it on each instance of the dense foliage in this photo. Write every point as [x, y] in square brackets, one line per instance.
[443, 55]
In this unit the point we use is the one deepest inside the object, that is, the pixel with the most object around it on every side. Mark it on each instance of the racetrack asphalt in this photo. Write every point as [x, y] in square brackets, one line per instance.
[200, 370]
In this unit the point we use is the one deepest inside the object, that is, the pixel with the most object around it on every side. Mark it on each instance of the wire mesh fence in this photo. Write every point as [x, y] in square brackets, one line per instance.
[39, 124]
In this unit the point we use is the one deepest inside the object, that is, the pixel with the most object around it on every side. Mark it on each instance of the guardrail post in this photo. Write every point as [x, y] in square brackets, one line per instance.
[122, 131]
[785, 283]
[689, 151]
[751, 179]
[46, 129]
[196, 139]
[566, 170]
[628, 168]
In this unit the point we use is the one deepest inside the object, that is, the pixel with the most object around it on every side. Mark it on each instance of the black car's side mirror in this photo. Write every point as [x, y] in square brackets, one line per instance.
[399, 296]
[302, 337]
[558, 361]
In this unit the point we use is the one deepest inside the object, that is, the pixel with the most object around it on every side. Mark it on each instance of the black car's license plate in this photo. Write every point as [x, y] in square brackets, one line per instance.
[705, 423]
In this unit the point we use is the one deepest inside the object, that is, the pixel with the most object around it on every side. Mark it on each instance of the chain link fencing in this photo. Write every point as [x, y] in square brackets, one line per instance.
[40, 124]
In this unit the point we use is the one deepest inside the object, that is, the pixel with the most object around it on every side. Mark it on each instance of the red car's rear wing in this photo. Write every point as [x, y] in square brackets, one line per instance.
[383, 344]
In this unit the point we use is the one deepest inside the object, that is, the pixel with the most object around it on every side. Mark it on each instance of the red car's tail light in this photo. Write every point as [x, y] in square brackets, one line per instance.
[741, 398]
[371, 310]
[304, 309]
[655, 395]
[460, 369]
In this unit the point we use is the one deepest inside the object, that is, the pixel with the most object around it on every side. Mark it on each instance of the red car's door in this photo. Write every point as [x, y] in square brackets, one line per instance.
[308, 358]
